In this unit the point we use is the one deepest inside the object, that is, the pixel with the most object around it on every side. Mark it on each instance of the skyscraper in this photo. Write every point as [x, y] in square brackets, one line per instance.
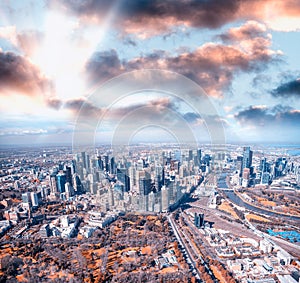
[61, 181]
[190, 155]
[165, 198]
[247, 157]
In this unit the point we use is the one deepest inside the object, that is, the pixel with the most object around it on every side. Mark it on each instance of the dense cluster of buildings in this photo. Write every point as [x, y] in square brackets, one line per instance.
[138, 183]
[264, 172]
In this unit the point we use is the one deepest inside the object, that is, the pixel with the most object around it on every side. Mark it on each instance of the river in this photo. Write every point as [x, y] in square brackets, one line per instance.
[237, 200]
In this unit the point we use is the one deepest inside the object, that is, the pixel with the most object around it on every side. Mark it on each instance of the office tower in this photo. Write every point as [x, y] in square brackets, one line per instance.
[143, 203]
[53, 184]
[265, 178]
[247, 157]
[199, 220]
[121, 173]
[68, 174]
[78, 188]
[172, 192]
[263, 165]
[165, 200]
[246, 173]
[190, 155]
[198, 157]
[127, 184]
[26, 198]
[207, 159]
[140, 165]
[112, 165]
[106, 163]
[100, 163]
[158, 177]
[246, 177]
[123, 178]
[151, 201]
[61, 181]
[111, 200]
[73, 167]
[34, 199]
[239, 165]
[68, 190]
[83, 159]
[87, 163]
[132, 176]
[144, 182]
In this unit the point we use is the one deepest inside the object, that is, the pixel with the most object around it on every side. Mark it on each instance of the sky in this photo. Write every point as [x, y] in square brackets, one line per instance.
[149, 70]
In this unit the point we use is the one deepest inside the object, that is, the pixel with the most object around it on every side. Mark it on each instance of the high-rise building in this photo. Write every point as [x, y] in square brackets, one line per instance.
[83, 159]
[165, 199]
[265, 178]
[34, 199]
[144, 182]
[106, 163]
[112, 166]
[26, 198]
[61, 181]
[247, 157]
[68, 173]
[199, 220]
[191, 157]
[53, 184]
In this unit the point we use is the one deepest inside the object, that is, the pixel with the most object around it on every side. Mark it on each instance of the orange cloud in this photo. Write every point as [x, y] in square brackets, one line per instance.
[20, 76]
[212, 65]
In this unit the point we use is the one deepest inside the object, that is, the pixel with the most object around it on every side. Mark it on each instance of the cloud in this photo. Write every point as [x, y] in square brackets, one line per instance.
[75, 105]
[250, 30]
[104, 65]
[130, 42]
[17, 74]
[291, 88]
[269, 117]
[23, 132]
[212, 65]
[191, 117]
[154, 17]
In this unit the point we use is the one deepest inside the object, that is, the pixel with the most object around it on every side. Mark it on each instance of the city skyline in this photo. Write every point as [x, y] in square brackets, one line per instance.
[56, 55]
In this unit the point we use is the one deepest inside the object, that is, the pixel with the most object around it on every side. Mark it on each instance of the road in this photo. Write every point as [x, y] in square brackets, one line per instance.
[183, 244]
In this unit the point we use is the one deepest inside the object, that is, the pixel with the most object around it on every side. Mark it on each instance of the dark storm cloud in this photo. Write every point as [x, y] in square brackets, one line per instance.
[291, 88]
[147, 18]
[155, 14]
[262, 116]
[19, 75]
